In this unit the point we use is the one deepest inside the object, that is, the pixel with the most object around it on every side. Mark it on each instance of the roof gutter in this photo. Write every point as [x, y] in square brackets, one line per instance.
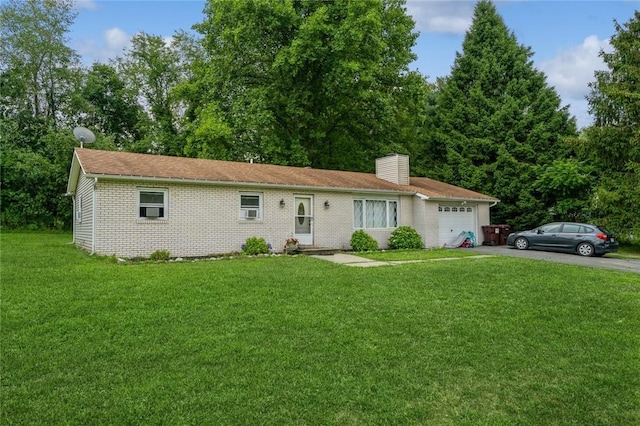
[165, 180]
[476, 200]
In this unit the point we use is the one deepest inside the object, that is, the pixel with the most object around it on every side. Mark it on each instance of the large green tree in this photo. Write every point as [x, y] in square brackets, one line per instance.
[39, 74]
[305, 81]
[151, 69]
[110, 108]
[498, 123]
[34, 56]
[613, 142]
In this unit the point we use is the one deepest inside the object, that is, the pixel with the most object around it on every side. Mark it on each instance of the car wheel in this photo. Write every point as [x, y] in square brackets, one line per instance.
[585, 249]
[521, 243]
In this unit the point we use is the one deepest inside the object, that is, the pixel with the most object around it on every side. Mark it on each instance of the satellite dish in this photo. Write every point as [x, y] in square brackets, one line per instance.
[84, 135]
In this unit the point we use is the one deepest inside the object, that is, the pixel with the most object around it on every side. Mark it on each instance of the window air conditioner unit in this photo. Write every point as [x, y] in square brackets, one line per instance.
[153, 212]
[251, 213]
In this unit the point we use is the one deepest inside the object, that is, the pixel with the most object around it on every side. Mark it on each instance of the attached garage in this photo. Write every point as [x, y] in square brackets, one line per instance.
[454, 219]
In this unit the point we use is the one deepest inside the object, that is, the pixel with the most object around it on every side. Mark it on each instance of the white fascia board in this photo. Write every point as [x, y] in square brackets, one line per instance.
[165, 180]
[493, 201]
[74, 175]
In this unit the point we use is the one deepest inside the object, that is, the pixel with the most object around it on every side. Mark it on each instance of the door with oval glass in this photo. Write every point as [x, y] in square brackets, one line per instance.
[303, 219]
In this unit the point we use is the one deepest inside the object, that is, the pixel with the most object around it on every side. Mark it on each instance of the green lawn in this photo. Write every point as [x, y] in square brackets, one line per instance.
[627, 252]
[399, 255]
[297, 340]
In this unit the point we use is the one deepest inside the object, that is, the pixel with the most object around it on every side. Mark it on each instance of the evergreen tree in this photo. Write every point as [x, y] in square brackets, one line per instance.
[613, 142]
[498, 123]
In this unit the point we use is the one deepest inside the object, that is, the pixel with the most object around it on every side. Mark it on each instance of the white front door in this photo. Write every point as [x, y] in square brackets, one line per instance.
[303, 219]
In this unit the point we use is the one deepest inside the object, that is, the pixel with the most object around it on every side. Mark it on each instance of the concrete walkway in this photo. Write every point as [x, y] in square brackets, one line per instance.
[352, 260]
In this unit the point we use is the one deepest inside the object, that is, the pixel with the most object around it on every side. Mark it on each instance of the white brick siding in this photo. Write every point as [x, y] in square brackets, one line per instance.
[205, 220]
[431, 223]
[484, 219]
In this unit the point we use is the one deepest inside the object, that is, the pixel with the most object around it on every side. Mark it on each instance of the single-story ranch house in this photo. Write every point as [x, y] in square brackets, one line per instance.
[130, 205]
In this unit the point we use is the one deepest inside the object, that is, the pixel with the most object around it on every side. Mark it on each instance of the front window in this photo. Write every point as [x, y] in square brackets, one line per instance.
[250, 206]
[152, 203]
[375, 214]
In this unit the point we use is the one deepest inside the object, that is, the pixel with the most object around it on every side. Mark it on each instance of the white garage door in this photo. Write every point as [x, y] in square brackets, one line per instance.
[453, 220]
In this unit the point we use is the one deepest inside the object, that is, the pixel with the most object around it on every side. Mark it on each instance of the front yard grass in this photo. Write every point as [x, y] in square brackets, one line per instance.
[627, 252]
[428, 254]
[296, 340]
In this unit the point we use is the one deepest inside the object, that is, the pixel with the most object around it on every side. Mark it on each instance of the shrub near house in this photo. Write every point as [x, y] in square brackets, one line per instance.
[255, 245]
[361, 241]
[405, 237]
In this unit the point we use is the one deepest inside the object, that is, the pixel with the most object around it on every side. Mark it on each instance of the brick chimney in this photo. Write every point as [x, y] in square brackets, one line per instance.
[393, 168]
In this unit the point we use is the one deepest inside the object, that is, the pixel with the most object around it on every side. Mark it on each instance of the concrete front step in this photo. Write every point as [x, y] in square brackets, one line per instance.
[318, 251]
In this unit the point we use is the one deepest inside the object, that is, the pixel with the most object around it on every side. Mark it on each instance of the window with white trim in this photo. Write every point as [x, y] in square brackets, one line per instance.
[375, 213]
[152, 203]
[250, 206]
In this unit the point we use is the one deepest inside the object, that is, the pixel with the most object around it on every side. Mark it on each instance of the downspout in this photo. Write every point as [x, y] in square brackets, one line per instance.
[494, 203]
[73, 217]
[93, 219]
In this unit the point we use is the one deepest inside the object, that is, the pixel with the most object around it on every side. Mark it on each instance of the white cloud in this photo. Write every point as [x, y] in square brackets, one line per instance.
[580, 109]
[116, 39]
[570, 72]
[112, 43]
[452, 17]
[86, 5]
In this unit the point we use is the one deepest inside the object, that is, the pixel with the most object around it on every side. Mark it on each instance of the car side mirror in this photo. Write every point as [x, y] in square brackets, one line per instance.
[540, 231]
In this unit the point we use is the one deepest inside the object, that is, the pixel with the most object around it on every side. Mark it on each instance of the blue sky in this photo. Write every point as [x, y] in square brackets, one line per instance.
[565, 36]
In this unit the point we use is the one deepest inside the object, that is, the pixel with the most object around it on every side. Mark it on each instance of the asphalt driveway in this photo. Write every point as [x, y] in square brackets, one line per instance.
[569, 259]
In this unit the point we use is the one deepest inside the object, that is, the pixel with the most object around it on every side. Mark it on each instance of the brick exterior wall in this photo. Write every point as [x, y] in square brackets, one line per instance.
[205, 220]
[431, 223]
[484, 219]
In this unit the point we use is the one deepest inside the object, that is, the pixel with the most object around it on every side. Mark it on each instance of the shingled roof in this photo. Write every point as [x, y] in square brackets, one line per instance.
[127, 165]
